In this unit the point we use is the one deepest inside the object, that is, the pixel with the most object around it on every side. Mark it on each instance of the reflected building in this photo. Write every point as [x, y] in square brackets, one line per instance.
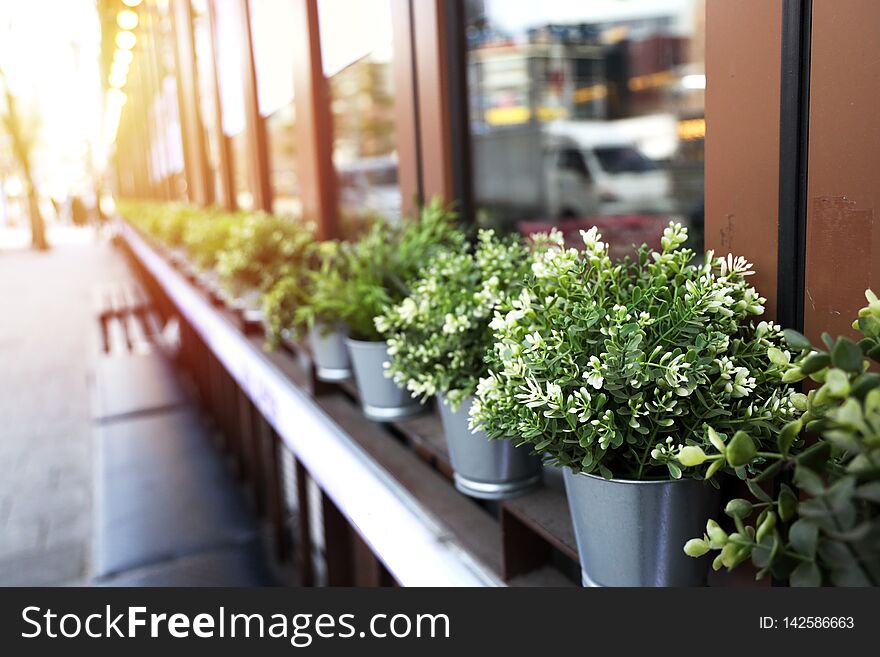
[582, 115]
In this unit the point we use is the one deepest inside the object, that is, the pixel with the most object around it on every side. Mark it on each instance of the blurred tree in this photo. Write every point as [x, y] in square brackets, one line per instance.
[23, 138]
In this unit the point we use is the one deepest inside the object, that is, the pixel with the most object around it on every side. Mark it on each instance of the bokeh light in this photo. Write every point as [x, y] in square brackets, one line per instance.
[127, 19]
[126, 40]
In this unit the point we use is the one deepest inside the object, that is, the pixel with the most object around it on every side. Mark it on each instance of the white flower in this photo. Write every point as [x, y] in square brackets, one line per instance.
[594, 375]
[534, 340]
[742, 384]
[407, 309]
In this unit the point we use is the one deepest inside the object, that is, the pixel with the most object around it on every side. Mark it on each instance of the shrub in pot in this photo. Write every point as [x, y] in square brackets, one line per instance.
[204, 237]
[616, 371]
[437, 340]
[306, 304]
[259, 250]
[376, 272]
[829, 532]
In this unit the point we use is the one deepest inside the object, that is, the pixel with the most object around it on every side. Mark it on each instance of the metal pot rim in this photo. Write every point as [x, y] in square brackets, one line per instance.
[366, 343]
[638, 482]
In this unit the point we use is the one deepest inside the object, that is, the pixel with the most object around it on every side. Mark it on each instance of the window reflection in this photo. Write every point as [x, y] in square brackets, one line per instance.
[166, 151]
[230, 75]
[356, 56]
[207, 100]
[587, 113]
[274, 63]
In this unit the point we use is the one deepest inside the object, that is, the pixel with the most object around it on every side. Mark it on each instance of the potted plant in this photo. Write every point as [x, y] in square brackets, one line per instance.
[258, 251]
[170, 224]
[437, 340]
[205, 236]
[377, 271]
[323, 312]
[829, 533]
[297, 303]
[615, 371]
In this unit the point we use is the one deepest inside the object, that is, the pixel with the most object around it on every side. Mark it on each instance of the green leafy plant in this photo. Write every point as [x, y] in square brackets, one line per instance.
[261, 249]
[287, 303]
[206, 235]
[163, 222]
[621, 369]
[201, 232]
[374, 272]
[325, 301]
[439, 334]
[830, 534]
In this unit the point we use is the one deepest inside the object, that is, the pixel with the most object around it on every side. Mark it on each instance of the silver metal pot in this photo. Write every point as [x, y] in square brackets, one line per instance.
[487, 469]
[249, 306]
[382, 400]
[329, 352]
[632, 533]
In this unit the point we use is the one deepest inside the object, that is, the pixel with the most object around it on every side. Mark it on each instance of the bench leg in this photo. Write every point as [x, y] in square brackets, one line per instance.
[304, 544]
[275, 488]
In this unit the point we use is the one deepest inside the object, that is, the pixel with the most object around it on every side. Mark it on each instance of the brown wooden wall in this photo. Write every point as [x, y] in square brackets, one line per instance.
[743, 70]
[843, 191]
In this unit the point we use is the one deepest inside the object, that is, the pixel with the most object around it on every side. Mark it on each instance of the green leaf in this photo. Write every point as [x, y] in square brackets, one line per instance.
[674, 470]
[850, 414]
[714, 467]
[846, 355]
[837, 383]
[739, 508]
[691, 456]
[778, 357]
[800, 401]
[816, 361]
[715, 439]
[793, 376]
[869, 325]
[696, 547]
[850, 576]
[795, 340]
[828, 340]
[806, 574]
[717, 536]
[741, 449]
[769, 472]
[787, 436]
[756, 490]
[803, 537]
[766, 526]
[787, 503]
[815, 457]
[864, 384]
[808, 480]
[869, 491]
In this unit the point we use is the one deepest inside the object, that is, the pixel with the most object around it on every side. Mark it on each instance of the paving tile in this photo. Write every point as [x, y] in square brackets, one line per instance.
[18, 537]
[62, 564]
[48, 338]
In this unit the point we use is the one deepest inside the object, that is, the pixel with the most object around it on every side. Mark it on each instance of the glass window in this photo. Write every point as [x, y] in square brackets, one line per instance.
[274, 62]
[167, 141]
[230, 74]
[587, 113]
[207, 101]
[356, 55]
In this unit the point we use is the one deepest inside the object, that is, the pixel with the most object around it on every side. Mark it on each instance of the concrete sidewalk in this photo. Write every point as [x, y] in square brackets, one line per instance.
[48, 343]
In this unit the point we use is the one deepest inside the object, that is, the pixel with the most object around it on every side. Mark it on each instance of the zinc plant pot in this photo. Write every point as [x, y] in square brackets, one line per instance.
[382, 400]
[483, 468]
[330, 354]
[248, 305]
[210, 282]
[632, 533]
